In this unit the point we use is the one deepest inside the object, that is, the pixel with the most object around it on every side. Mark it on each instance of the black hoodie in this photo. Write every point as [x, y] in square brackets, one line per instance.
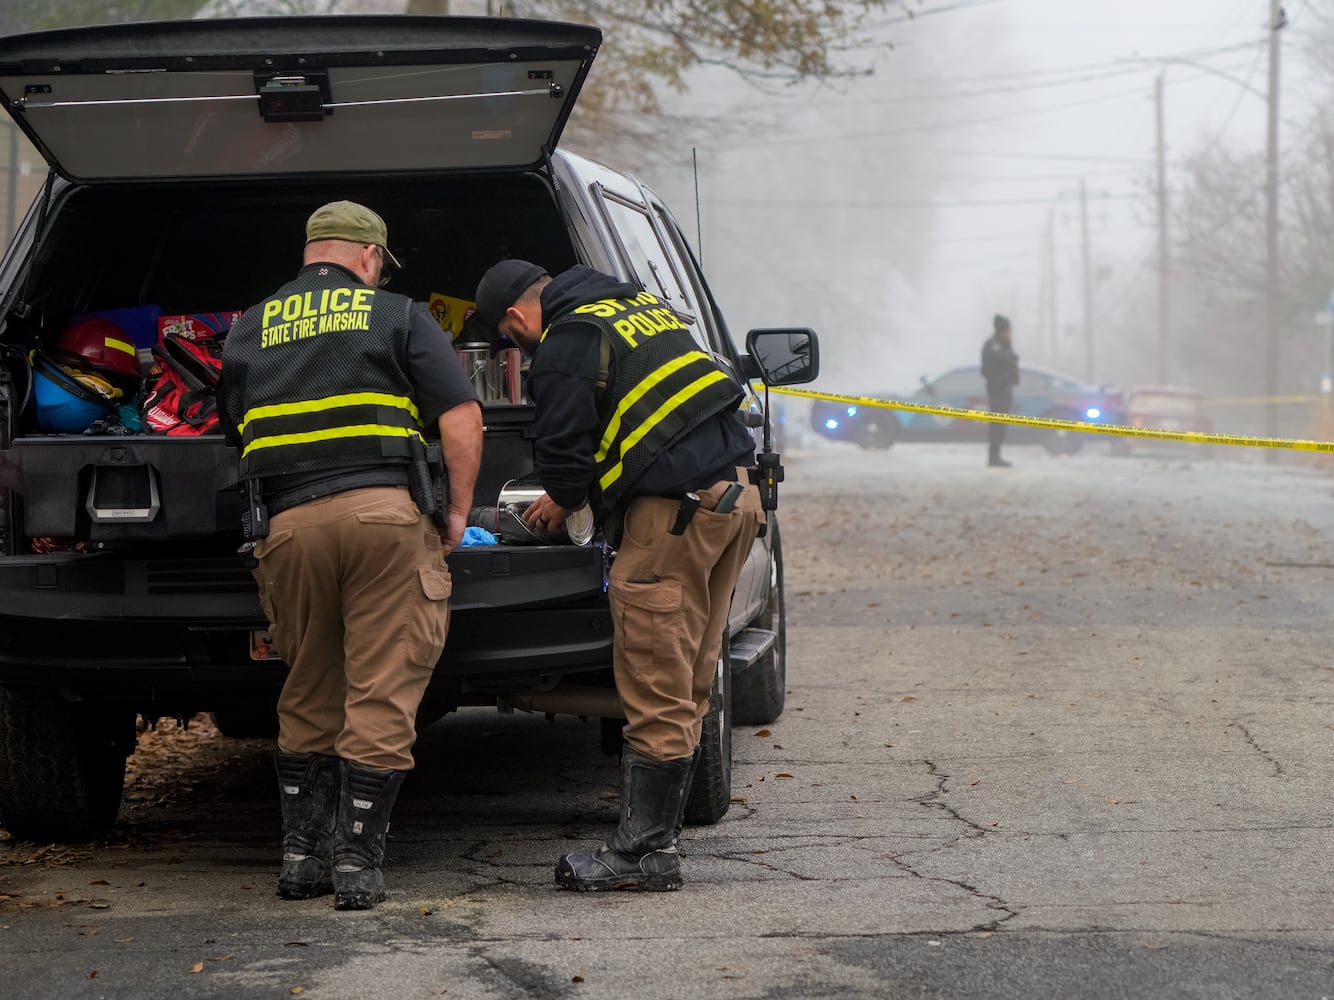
[562, 381]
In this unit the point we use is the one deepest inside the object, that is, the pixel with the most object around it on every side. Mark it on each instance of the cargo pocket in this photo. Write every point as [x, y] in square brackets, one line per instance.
[649, 618]
[264, 572]
[430, 623]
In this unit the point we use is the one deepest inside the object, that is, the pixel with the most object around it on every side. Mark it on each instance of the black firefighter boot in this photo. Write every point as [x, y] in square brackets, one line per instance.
[685, 796]
[641, 854]
[363, 820]
[308, 792]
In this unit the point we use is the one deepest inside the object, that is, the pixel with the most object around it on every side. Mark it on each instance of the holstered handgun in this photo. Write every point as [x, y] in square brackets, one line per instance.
[428, 484]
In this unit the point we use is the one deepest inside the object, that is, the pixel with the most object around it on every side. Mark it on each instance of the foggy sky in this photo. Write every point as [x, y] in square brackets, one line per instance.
[856, 211]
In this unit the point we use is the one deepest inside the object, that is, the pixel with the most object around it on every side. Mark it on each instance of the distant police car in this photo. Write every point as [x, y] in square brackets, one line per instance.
[1040, 393]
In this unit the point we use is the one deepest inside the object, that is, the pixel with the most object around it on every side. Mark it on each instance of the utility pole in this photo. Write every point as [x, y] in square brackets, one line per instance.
[1277, 19]
[1164, 258]
[1088, 280]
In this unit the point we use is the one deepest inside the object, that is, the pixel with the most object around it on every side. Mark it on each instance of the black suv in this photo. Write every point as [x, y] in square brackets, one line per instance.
[185, 157]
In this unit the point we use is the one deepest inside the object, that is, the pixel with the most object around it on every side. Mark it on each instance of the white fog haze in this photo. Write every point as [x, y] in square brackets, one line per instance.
[897, 213]
[1000, 156]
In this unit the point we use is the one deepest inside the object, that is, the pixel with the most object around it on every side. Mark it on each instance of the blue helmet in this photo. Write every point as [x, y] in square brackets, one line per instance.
[64, 404]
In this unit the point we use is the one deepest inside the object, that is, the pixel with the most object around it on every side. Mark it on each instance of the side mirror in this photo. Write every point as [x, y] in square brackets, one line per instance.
[784, 357]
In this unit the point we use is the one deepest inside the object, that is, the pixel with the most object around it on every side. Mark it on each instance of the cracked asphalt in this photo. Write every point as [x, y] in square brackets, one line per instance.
[1061, 730]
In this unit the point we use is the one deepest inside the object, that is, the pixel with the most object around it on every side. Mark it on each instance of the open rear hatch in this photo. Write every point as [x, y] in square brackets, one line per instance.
[288, 96]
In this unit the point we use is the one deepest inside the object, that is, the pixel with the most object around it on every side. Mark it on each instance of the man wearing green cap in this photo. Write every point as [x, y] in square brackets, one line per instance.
[329, 388]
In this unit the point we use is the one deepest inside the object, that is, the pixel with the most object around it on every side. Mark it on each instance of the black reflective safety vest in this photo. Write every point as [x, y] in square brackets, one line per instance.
[316, 378]
[662, 385]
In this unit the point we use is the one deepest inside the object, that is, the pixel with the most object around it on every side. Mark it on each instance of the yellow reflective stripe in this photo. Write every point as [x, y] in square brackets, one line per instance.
[355, 430]
[672, 402]
[120, 345]
[331, 403]
[635, 394]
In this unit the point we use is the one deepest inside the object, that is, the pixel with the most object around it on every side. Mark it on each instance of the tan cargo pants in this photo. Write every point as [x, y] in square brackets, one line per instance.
[669, 600]
[356, 591]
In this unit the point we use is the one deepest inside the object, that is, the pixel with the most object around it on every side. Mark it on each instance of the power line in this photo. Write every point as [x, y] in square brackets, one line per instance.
[957, 123]
[942, 126]
[1079, 68]
[979, 203]
[1011, 155]
[1067, 81]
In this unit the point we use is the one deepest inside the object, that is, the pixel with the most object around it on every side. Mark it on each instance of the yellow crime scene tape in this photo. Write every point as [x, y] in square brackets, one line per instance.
[1080, 426]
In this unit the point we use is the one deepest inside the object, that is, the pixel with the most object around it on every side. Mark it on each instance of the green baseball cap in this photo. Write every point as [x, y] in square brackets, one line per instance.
[346, 220]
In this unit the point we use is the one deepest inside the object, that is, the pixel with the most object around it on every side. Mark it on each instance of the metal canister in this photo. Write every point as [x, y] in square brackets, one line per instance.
[509, 375]
[476, 361]
[516, 495]
[579, 525]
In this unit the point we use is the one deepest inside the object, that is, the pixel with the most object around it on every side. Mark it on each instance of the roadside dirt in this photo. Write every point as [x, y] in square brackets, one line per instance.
[175, 776]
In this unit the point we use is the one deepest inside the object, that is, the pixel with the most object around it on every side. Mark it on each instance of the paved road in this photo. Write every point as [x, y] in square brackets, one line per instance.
[1062, 730]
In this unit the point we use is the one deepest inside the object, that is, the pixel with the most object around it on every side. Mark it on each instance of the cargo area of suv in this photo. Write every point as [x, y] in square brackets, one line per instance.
[185, 160]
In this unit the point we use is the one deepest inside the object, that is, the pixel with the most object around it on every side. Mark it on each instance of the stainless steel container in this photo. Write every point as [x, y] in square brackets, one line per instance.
[579, 525]
[506, 518]
[497, 376]
[476, 363]
[509, 375]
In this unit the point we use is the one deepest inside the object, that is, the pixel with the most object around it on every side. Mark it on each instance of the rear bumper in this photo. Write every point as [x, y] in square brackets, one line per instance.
[101, 626]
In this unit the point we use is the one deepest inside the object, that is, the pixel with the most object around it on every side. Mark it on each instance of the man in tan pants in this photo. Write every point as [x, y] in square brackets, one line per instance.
[328, 387]
[634, 419]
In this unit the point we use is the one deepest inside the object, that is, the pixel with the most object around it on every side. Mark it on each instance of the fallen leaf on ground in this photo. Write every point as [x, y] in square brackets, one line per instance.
[764, 732]
[197, 967]
[782, 774]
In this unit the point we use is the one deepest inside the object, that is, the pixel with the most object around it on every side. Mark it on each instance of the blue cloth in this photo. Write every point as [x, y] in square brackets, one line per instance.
[473, 535]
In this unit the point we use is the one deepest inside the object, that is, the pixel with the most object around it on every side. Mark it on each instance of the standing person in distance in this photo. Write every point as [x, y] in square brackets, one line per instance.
[634, 419]
[328, 388]
[1000, 368]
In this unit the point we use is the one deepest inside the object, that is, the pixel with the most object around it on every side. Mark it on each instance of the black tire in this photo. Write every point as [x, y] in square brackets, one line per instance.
[879, 429]
[711, 792]
[1062, 442]
[247, 723]
[759, 691]
[62, 767]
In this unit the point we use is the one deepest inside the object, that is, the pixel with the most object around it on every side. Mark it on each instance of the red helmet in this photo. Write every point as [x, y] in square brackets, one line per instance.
[99, 344]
